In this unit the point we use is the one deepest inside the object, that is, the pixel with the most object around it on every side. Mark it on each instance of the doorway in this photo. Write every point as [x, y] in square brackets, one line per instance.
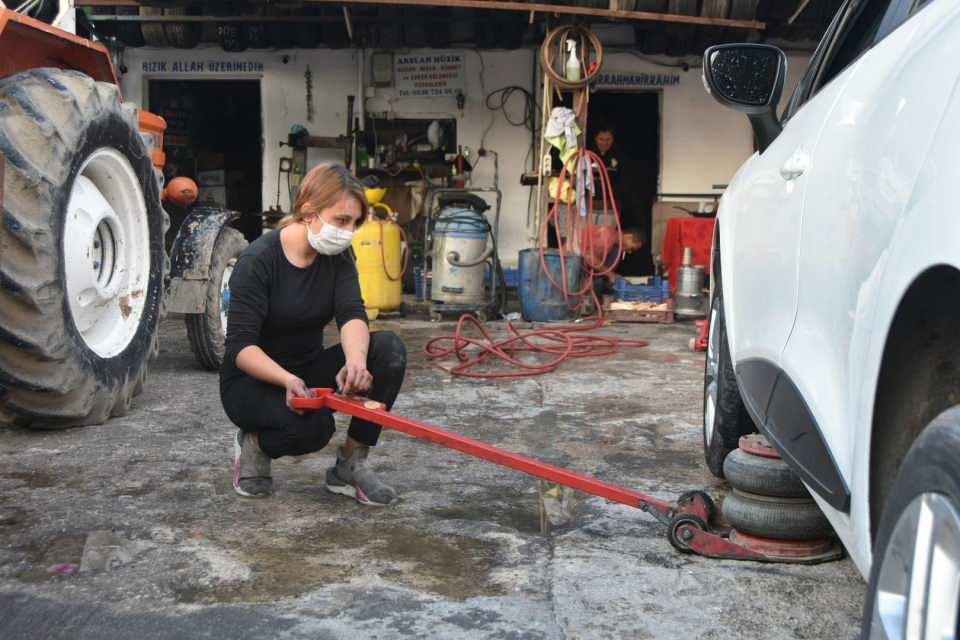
[634, 117]
[214, 136]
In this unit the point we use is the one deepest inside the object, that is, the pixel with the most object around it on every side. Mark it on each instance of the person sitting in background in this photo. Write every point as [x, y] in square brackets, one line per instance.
[603, 250]
[285, 288]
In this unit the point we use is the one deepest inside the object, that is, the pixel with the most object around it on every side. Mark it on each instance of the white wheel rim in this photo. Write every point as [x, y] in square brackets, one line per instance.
[225, 294]
[710, 378]
[918, 588]
[106, 249]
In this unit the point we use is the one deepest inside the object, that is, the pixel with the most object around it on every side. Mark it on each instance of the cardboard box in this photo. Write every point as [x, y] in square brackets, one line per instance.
[211, 178]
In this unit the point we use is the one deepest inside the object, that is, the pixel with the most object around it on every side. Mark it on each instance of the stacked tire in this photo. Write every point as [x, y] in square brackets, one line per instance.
[768, 499]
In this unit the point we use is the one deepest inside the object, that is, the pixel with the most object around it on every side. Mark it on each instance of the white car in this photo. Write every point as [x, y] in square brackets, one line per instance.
[835, 304]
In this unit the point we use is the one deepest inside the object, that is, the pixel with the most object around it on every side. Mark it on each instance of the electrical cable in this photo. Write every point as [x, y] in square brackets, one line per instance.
[498, 100]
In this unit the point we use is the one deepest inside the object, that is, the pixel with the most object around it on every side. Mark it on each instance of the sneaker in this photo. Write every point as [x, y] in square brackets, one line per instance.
[251, 467]
[353, 478]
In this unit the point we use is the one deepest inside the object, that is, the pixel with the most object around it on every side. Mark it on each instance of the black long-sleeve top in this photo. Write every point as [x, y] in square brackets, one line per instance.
[283, 308]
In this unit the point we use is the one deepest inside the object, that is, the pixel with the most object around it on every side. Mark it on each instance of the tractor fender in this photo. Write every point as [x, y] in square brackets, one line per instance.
[190, 258]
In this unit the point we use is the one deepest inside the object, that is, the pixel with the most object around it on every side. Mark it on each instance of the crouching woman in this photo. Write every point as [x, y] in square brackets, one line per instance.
[284, 289]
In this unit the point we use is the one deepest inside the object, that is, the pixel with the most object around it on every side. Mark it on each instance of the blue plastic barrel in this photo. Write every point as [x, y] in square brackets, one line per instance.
[540, 300]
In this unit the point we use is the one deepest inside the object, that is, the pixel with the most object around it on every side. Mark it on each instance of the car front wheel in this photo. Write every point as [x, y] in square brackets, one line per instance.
[914, 589]
[724, 417]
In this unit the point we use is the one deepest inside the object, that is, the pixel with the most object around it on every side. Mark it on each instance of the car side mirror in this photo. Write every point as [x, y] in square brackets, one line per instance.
[750, 79]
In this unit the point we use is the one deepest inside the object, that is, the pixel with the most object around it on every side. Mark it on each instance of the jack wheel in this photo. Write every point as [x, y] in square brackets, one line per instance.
[678, 533]
[687, 496]
[435, 316]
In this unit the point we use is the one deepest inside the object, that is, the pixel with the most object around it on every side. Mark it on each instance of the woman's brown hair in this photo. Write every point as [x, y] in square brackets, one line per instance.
[323, 187]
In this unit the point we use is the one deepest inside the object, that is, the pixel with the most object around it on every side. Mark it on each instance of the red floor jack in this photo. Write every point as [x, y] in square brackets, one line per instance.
[687, 520]
[701, 342]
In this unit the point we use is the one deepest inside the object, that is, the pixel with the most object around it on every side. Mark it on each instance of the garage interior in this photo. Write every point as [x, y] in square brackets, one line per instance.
[473, 550]
[214, 137]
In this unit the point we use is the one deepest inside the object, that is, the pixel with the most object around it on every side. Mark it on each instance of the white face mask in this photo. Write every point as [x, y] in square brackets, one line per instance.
[331, 240]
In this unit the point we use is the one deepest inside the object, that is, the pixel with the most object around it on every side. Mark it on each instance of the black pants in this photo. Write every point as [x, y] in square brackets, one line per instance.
[261, 407]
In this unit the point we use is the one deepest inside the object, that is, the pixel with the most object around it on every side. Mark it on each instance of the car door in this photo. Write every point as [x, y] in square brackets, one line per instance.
[761, 216]
[892, 79]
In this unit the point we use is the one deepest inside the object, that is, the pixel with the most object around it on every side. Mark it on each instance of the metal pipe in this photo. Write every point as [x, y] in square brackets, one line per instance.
[361, 90]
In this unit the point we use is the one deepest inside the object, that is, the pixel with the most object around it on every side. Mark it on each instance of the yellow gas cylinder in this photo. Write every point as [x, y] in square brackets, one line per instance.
[379, 263]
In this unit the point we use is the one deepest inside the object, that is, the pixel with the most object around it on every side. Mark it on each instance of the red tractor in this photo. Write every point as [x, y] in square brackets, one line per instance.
[84, 274]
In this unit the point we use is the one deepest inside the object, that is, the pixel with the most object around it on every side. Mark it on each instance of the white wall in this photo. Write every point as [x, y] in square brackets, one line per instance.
[702, 143]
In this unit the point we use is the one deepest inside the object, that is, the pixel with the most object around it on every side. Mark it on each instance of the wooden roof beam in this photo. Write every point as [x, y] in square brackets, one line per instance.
[526, 7]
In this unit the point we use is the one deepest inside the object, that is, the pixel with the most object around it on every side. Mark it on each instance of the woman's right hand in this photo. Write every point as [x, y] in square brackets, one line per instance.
[296, 388]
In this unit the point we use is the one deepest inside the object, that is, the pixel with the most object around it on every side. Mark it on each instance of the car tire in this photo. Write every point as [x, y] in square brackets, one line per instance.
[207, 331]
[725, 419]
[763, 476]
[920, 519]
[81, 251]
[777, 518]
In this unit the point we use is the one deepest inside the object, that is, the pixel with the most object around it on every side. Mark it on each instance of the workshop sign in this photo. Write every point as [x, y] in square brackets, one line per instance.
[617, 80]
[439, 74]
[202, 66]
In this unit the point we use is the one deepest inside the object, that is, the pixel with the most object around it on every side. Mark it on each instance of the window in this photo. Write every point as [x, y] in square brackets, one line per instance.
[802, 91]
[856, 36]
[858, 25]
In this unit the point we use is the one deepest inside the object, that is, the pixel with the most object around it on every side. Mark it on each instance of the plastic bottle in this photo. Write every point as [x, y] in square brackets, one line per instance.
[573, 70]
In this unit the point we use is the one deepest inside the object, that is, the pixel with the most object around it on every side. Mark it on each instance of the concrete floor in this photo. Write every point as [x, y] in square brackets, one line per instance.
[172, 552]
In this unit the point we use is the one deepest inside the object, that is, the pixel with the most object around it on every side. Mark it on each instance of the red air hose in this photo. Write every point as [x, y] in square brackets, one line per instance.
[559, 342]
[580, 231]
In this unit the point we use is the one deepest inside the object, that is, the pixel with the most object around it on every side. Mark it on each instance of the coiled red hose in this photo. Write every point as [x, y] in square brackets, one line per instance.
[562, 342]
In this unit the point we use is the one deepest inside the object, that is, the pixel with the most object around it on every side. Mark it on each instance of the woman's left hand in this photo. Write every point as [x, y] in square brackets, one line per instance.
[354, 378]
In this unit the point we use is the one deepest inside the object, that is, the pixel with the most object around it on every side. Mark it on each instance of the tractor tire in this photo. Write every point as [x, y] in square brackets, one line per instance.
[232, 37]
[743, 9]
[763, 476]
[129, 33]
[183, 35]
[777, 518]
[154, 35]
[207, 330]
[725, 419]
[81, 251]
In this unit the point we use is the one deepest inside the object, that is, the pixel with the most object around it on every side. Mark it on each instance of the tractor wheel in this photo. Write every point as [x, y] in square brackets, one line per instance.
[81, 251]
[183, 35]
[154, 34]
[207, 330]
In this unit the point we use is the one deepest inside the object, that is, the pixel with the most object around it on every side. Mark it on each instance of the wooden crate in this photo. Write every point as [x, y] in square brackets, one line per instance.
[655, 313]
